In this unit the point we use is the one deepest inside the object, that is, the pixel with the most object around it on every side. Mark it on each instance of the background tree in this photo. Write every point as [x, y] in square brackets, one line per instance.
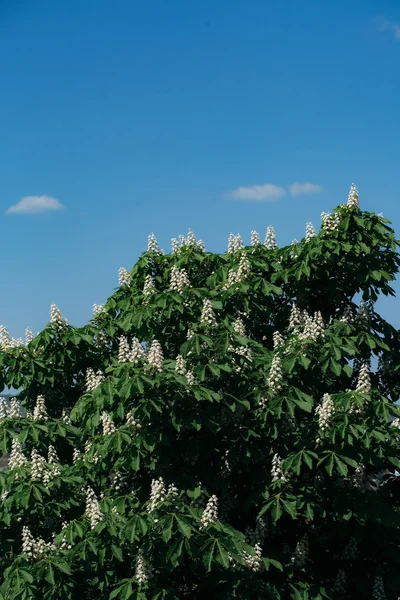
[216, 431]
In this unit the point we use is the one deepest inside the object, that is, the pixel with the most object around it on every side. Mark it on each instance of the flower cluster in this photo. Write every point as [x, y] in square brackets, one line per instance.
[65, 417]
[190, 240]
[152, 244]
[278, 340]
[137, 352]
[352, 201]
[17, 459]
[29, 336]
[155, 356]
[210, 513]
[5, 338]
[255, 239]
[93, 510]
[3, 408]
[313, 327]
[123, 350]
[238, 327]
[254, 561]
[132, 422]
[241, 274]
[275, 376]
[98, 309]
[34, 547]
[339, 586]
[179, 280]
[93, 379]
[364, 381]
[180, 365]
[207, 314]
[143, 571]
[310, 231]
[160, 494]
[107, 423]
[270, 241]
[276, 470]
[378, 592]
[296, 319]
[56, 317]
[330, 222]
[347, 316]
[149, 288]
[235, 243]
[40, 411]
[300, 556]
[95, 457]
[325, 411]
[124, 277]
[38, 466]
[15, 409]
[363, 315]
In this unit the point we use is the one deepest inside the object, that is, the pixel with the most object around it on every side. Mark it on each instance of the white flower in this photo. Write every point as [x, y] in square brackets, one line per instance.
[275, 375]
[325, 411]
[5, 338]
[350, 552]
[155, 356]
[313, 327]
[254, 562]
[378, 590]
[65, 417]
[347, 316]
[364, 381]
[132, 422]
[207, 314]
[143, 570]
[107, 423]
[38, 465]
[301, 552]
[295, 317]
[56, 317]
[40, 412]
[148, 288]
[17, 459]
[98, 309]
[15, 409]
[210, 513]
[179, 280]
[189, 378]
[339, 586]
[363, 315]
[76, 455]
[352, 201]
[255, 239]
[136, 352]
[395, 423]
[278, 340]
[330, 222]
[34, 548]
[310, 231]
[124, 277]
[270, 241]
[152, 244]
[29, 336]
[123, 350]
[175, 246]
[93, 510]
[238, 327]
[241, 274]
[235, 243]
[158, 494]
[276, 470]
[93, 379]
[180, 365]
[3, 408]
[190, 334]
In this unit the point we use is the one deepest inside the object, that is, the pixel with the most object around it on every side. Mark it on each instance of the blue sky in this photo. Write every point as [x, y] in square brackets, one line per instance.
[141, 117]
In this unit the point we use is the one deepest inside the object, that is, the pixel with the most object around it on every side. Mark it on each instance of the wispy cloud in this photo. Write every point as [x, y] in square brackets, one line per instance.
[266, 192]
[34, 205]
[386, 25]
[298, 189]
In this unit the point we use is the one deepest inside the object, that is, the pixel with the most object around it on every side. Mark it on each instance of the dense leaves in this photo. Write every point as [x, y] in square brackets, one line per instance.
[218, 430]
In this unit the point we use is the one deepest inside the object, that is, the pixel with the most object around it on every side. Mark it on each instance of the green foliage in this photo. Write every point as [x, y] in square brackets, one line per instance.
[290, 435]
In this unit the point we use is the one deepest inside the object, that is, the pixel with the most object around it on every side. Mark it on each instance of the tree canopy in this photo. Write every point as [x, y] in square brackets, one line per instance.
[218, 430]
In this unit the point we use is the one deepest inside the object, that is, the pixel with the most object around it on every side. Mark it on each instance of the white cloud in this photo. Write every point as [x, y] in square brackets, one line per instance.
[267, 192]
[298, 189]
[35, 204]
[386, 25]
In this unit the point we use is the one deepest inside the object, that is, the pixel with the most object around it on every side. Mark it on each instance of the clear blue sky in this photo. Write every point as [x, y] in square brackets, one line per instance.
[141, 116]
